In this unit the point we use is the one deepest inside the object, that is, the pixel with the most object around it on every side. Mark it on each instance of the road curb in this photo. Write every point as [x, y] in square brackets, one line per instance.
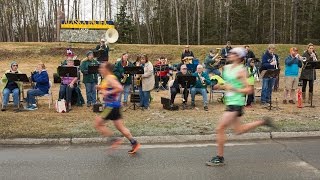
[161, 139]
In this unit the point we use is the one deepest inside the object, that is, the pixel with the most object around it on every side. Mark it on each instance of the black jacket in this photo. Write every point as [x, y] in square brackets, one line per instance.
[307, 74]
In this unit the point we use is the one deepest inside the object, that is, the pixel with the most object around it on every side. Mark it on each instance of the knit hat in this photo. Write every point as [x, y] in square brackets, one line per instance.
[88, 53]
[241, 52]
[13, 63]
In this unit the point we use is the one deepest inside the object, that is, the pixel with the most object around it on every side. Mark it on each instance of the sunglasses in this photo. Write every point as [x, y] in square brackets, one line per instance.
[15, 65]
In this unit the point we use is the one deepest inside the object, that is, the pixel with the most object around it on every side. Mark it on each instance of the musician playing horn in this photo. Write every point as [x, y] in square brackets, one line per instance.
[308, 75]
[124, 79]
[270, 60]
[211, 63]
[292, 64]
[200, 86]
[104, 51]
[178, 88]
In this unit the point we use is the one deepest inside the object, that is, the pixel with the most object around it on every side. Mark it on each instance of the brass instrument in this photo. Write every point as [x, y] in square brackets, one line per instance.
[217, 58]
[201, 79]
[187, 60]
[124, 79]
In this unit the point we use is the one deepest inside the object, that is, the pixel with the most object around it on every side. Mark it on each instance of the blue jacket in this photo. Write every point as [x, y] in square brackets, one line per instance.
[292, 66]
[266, 60]
[42, 81]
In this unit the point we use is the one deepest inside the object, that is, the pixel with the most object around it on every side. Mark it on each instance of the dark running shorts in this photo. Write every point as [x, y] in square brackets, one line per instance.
[111, 114]
[232, 108]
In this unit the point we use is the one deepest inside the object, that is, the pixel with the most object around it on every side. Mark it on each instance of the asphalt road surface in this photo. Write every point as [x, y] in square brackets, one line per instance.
[295, 159]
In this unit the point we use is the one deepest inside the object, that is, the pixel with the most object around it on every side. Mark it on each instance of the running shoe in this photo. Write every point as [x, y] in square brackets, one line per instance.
[135, 148]
[216, 161]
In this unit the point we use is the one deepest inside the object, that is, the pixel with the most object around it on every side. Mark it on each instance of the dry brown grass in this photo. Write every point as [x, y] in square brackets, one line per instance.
[78, 123]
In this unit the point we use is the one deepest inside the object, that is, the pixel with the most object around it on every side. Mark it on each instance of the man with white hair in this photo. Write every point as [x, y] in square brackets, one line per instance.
[200, 86]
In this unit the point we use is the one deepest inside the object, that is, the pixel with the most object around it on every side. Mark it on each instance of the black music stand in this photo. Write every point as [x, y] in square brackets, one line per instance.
[271, 73]
[17, 77]
[67, 71]
[186, 81]
[20, 78]
[159, 68]
[312, 65]
[76, 62]
[132, 71]
[93, 69]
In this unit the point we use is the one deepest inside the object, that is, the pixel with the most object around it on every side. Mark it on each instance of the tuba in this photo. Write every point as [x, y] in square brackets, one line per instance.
[111, 36]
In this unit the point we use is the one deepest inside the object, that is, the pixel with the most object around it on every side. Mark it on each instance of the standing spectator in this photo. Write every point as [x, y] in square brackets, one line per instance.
[308, 75]
[104, 56]
[186, 52]
[225, 50]
[119, 73]
[292, 65]
[89, 80]
[147, 80]
[8, 87]
[270, 60]
[252, 70]
[41, 79]
[250, 55]
[210, 61]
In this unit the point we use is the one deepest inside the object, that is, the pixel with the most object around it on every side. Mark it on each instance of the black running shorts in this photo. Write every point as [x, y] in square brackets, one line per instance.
[111, 114]
[233, 108]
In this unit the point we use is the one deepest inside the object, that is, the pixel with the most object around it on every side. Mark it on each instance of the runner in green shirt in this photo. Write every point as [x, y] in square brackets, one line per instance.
[236, 86]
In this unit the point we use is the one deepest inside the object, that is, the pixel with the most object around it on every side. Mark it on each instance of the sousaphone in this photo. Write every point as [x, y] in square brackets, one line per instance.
[111, 36]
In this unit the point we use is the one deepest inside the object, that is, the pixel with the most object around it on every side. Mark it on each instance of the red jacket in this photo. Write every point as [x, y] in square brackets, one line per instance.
[161, 73]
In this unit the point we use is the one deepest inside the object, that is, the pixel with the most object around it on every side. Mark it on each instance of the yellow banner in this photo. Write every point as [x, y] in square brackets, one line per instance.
[76, 24]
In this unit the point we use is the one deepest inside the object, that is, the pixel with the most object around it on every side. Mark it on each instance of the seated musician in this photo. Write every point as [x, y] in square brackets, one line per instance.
[8, 87]
[177, 88]
[163, 75]
[41, 79]
[124, 79]
[225, 50]
[70, 56]
[186, 52]
[200, 86]
[212, 63]
[67, 86]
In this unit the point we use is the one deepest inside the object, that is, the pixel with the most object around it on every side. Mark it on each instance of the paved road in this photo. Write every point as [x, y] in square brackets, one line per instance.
[299, 159]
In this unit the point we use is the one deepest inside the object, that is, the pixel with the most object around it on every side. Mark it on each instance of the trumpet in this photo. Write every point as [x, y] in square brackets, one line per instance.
[124, 79]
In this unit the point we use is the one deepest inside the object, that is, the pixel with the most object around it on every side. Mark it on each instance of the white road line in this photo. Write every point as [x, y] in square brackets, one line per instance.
[173, 146]
[308, 167]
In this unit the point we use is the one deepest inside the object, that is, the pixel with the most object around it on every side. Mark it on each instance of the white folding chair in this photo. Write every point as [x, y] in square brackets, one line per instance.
[48, 96]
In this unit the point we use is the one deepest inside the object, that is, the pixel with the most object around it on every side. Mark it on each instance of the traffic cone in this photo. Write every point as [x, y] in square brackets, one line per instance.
[299, 97]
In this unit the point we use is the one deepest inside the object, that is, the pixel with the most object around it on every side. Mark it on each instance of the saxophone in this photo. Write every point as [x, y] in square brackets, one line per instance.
[125, 76]
[124, 79]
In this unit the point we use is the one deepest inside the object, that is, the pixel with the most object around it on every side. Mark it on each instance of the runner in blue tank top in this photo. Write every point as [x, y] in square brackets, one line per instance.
[236, 86]
[111, 88]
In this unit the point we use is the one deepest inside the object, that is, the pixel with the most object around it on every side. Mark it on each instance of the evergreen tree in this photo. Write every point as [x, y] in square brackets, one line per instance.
[124, 24]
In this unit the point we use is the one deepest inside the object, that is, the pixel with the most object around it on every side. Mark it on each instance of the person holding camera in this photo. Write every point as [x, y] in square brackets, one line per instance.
[41, 79]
